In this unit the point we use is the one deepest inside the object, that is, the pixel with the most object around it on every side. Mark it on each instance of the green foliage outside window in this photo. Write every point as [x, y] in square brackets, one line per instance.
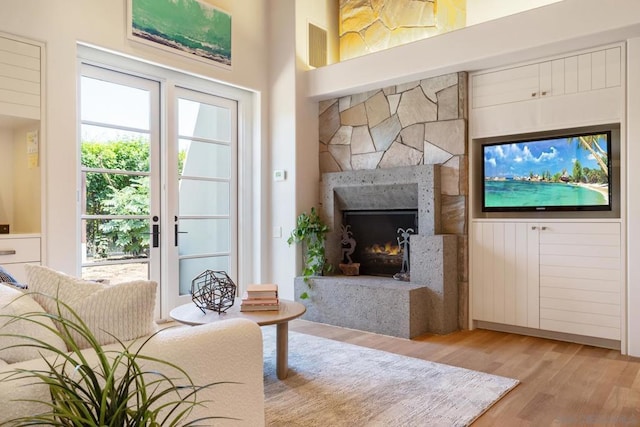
[116, 193]
[132, 235]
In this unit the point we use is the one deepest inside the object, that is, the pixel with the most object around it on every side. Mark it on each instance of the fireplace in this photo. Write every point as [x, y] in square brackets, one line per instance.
[381, 239]
[428, 302]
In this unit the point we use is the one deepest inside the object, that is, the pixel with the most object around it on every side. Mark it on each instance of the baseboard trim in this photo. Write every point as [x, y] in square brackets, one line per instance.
[539, 333]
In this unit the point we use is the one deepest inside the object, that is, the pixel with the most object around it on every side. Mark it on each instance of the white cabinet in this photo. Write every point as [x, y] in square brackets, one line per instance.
[577, 73]
[581, 279]
[556, 276]
[16, 250]
[569, 91]
[505, 273]
[502, 87]
[20, 78]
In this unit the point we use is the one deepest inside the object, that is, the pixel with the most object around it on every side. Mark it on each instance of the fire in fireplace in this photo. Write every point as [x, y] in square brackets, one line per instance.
[381, 236]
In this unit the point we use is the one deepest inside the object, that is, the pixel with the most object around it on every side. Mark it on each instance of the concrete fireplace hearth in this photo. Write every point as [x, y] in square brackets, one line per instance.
[426, 304]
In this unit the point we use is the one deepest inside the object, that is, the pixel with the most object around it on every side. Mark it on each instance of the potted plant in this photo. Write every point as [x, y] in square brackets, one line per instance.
[311, 232]
[117, 390]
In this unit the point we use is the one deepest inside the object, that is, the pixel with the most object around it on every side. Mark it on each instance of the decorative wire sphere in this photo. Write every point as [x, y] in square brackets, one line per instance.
[213, 290]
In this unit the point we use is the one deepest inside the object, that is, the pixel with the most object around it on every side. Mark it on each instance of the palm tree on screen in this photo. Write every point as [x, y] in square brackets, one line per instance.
[592, 145]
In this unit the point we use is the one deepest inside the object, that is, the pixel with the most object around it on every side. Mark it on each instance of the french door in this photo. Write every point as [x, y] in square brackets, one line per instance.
[119, 173]
[158, 180]
[204, 188]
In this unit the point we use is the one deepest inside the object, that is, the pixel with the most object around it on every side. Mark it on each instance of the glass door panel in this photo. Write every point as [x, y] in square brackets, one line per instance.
[113, 103]
[202, 120]
[119, 158]
[215, 200]
[217, 155]
[192, 267]
[205, 188]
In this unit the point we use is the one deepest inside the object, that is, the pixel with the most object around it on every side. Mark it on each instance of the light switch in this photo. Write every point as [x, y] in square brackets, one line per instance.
[279, 175]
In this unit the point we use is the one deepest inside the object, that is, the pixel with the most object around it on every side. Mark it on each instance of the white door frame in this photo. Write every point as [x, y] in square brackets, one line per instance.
[253, 212]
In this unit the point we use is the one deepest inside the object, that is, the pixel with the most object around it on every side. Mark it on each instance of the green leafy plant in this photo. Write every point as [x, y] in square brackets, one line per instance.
[132, 235]
[311, 232]
[117, 390]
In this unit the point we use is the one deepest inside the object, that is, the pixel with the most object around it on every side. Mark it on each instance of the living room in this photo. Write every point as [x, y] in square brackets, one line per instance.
[269, 62]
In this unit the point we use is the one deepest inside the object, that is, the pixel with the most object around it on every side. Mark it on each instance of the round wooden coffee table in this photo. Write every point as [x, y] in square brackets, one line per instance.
[190, 314]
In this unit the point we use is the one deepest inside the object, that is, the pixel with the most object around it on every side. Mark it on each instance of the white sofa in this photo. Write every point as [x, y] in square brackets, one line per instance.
[230, 350]
[227, 352]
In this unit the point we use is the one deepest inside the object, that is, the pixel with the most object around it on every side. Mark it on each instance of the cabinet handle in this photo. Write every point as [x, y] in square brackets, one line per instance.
[534, 227]
[8, 252]
[533, 94]
[543, 228]
[544, 93]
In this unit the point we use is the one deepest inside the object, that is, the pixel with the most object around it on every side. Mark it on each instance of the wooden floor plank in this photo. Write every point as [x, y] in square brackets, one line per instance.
[562, 384]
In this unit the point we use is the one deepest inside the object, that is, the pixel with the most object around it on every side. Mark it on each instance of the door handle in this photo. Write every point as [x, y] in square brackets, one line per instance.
[175, 234]
[155, 235]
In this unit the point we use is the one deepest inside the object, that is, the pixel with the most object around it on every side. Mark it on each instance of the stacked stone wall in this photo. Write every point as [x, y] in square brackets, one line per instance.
[423, 122]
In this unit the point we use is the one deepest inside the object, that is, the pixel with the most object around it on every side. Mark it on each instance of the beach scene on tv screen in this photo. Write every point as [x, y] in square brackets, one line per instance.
[562, 172]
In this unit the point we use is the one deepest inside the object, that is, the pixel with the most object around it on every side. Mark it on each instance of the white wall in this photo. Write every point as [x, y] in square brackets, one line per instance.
[60, 24]
[324, 14]
[633, 195]
[293, 132]
[283, 124]
[485, 10]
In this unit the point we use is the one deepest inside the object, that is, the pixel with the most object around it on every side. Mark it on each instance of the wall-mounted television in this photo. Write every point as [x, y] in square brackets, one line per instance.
[559, 173]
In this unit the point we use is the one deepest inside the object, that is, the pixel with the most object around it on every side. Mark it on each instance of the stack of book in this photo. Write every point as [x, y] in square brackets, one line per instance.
[260, 297]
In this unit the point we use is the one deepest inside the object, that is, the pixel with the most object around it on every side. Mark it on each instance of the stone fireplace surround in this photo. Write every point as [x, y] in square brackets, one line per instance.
[429, 302]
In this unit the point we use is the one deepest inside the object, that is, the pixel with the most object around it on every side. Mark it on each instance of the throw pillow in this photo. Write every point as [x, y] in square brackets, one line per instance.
[14, 302]
[6, 277]
[123, 311]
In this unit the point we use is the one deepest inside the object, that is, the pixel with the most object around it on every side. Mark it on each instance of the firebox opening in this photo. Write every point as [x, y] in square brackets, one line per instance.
[380, 237]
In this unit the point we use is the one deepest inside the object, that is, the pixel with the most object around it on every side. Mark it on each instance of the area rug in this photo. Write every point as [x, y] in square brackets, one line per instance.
[331, 383]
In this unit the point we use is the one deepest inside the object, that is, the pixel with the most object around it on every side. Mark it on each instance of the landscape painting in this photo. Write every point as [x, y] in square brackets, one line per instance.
[191, 28]
[556, 173]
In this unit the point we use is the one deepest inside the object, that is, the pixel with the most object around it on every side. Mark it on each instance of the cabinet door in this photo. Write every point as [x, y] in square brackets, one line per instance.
[589, 71]
[19, 79]
[504, 273]
[505, 86]
[580, 279]
[613, 67]
[546, 79]
[557, 77]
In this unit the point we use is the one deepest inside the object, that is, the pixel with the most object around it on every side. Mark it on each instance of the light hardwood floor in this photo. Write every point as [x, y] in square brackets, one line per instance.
[562, 384]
